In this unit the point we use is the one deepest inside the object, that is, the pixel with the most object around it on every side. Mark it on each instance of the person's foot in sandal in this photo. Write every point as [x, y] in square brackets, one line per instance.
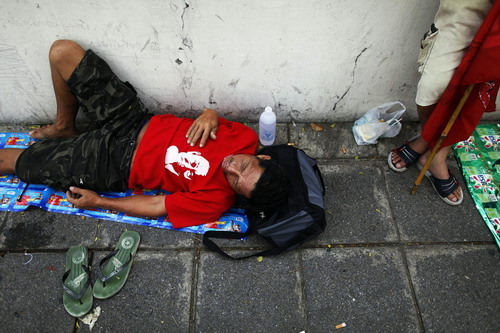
[445, 184]
[77, 297]
[114, 268]
[403, 156]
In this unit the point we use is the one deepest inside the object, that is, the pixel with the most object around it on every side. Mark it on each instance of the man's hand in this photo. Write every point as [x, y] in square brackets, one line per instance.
[81, 198]
[203, 127]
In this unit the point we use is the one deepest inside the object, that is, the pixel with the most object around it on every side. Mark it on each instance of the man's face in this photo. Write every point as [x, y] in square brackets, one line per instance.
[242, 172]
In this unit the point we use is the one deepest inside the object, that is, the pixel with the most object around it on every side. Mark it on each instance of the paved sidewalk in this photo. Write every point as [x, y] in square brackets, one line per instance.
[388, 262]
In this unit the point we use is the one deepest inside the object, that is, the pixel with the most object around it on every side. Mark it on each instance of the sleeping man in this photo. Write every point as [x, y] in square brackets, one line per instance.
[132, 149]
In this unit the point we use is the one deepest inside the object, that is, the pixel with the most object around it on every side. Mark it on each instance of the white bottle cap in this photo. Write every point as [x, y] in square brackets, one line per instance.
[268, 109]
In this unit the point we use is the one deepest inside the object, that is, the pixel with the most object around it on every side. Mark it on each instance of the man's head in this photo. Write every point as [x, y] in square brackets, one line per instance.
[259, 179]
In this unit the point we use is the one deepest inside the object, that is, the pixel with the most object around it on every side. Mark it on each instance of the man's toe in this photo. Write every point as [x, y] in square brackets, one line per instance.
[34, 134]
[455, 196]
[398, 163]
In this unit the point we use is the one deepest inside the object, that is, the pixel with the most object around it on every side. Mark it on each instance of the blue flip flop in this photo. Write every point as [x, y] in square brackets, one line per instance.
[445, 187]
[407, 154]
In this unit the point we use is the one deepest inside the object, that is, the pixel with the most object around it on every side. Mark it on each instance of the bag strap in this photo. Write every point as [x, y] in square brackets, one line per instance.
[318, 172]
[234, 235]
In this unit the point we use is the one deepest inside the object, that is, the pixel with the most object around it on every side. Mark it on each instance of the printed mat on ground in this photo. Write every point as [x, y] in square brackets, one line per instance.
[479, 157]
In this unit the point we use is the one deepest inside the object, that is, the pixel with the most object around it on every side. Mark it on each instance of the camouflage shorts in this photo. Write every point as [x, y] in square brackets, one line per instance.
[98, 159]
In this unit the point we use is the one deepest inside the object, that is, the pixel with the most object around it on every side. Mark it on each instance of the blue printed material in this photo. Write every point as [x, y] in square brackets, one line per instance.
[16, 196]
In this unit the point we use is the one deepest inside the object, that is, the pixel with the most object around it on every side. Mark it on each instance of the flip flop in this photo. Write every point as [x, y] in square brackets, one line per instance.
[407, 154]
[77, 297]
[114, 268]
[445, 187]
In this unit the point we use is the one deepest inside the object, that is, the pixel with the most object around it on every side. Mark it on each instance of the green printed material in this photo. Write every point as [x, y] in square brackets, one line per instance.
[479, 157]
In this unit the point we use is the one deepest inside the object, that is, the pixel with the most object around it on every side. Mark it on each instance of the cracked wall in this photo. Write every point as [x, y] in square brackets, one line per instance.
[321, 60]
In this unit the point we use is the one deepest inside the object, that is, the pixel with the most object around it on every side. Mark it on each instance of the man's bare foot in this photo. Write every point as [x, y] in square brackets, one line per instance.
[439, 170]
[52, 132]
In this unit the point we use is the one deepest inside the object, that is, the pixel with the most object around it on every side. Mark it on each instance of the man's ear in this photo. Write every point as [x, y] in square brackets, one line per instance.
[264, 157]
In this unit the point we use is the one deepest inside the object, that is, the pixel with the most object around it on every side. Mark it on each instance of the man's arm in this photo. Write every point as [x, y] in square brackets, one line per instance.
[204, 126]
[139, 205]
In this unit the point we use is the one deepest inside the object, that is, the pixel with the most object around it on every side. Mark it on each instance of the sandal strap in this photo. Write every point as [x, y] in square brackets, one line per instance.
[445, 187]
[114, 272]
[408, 155]
[84, 289]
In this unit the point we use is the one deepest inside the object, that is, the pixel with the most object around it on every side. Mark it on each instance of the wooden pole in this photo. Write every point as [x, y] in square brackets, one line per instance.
[443, 136]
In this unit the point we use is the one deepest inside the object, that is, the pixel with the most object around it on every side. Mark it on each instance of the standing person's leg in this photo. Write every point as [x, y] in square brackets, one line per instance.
[64, 57]
[444, 45]
[416, 147]
[440, 171]
[439, 167]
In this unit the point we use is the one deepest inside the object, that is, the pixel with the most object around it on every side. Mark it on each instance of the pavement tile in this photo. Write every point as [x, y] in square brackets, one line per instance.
[335, 141]
[30, 292]
[177, 285]
[3, 221]
[281, 132]
[155, 298]
[366, 288]
[39, 229]
[457, 287]
[249, 296]
[357, 204]
[424, 217]
[16, 128]
[151, 238]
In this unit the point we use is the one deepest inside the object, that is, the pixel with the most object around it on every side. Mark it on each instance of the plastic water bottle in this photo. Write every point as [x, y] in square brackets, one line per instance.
[267, 127]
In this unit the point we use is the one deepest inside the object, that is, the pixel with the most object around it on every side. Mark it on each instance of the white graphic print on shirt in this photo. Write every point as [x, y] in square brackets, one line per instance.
[191, 160]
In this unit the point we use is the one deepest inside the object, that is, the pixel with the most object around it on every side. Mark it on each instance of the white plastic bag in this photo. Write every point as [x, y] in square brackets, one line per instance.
[381, 121]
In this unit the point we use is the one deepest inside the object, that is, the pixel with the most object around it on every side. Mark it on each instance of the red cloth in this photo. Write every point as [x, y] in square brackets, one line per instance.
[194, 176]
[480, 66]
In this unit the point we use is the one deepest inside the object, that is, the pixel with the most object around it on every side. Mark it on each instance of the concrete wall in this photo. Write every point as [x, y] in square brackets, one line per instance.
[311, 60]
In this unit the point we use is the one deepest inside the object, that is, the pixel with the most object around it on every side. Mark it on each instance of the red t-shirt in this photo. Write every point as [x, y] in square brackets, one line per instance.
[194, 175]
